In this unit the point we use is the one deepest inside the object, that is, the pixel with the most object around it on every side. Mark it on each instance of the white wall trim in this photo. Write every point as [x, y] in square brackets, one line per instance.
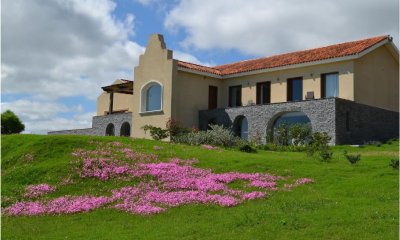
[145, 87]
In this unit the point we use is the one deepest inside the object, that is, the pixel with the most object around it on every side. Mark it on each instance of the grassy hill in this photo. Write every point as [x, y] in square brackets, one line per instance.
[345, 201]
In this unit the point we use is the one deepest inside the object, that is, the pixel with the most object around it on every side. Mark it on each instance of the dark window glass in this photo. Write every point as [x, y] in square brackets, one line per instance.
[263, 92]
[329, 85]
[295, 89]
[235, 96]
[153, 101]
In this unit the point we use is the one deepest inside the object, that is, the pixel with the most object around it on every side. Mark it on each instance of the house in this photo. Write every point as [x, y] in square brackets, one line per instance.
[349, 90]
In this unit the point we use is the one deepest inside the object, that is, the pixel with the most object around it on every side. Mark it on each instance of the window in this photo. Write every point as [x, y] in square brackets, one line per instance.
[329, 85]
[295, 89]
[151, 97]
[241, 127]
[110, 130]
[212, 97]
[289, 119]
[235, 96]
[263, 92]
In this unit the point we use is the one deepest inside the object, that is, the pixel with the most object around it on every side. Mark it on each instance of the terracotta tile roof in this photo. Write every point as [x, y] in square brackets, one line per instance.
[311, 55]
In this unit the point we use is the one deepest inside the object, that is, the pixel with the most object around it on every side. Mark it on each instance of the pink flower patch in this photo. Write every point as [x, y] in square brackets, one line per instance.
[34, 191]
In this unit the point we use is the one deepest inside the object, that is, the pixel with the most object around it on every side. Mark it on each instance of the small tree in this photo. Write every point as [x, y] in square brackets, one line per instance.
[10, 123]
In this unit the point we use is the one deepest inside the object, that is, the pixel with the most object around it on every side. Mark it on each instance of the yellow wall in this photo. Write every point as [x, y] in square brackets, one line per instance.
[311, 82]
[377, 79]
[191, 92]
[121, 102]
[156, 64]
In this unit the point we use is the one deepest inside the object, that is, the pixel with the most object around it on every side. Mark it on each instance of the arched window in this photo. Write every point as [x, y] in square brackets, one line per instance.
[125, 129]
[282, 124]
[241, 127]
[151, 97]
[110, 130]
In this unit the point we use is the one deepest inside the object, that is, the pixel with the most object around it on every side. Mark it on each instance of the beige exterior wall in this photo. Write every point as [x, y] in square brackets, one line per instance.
[377, 79]
[311, 82]
[191, 95]
[156, 64]
[121, 102]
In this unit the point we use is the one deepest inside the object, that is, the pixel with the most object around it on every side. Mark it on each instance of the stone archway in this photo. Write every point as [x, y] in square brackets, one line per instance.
[125, 129]
[110, 130]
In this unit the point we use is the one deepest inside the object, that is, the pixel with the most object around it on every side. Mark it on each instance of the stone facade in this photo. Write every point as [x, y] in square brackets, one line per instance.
[326, 115]
[99, 125]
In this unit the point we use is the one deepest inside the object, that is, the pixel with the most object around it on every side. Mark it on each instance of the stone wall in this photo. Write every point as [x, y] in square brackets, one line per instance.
[99, 125]
[364, 123]
[261, 117]
[358, 123]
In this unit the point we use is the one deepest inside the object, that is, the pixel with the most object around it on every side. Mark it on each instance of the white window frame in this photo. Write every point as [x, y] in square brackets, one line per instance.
[143, 97]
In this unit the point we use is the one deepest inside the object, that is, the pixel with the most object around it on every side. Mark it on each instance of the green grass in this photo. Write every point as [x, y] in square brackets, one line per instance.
[346, 201]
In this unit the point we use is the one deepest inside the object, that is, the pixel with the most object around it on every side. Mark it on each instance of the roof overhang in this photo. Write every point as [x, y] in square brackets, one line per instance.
[299, 65]
[125, 88]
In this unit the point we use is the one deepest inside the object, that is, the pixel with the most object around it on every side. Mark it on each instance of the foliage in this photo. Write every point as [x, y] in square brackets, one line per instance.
[319, 144]
[155, 132]
[299, 133]
[247, 148]
[10, 123]
[281, 134]
[373, 186]
[282, 148]
[352, 158]
[216, 136]
[175, 128]
[394, 163]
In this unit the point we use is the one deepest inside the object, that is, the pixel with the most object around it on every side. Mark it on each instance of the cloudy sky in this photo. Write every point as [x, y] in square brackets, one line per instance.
[56, 54]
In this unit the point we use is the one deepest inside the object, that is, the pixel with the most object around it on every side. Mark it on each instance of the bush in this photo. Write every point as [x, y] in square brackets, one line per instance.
[155, 132]
[281, 148]
[319, 144]
[281, 134]
[247, 148]
[175, 128]
[394, 163]
[10, 123]
[216, 136]
[352, 158]
[299, 134]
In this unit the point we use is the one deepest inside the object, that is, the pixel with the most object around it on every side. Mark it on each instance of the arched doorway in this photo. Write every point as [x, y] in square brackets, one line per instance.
[110, 130]
[125, 129]
[241, 127]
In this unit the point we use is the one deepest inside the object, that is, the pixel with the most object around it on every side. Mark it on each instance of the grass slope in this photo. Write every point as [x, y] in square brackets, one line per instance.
[345, 202]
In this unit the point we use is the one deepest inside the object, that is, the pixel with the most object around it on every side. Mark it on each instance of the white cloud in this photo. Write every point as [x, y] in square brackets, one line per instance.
[186, 57]
[64, 48]
[41, 116]
[265, 27]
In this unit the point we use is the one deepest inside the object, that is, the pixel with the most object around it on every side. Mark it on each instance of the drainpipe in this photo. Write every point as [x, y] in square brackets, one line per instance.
[110, 109]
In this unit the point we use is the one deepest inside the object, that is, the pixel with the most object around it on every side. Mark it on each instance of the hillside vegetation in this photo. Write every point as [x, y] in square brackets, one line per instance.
[344, 201]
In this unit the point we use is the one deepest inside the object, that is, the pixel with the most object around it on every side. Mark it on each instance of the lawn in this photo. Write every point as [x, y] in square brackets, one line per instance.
[345, 201]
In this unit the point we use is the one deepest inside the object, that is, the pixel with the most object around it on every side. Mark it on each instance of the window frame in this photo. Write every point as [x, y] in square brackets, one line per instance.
[259, 92]
[323, 84]
[143, 97]
[230, 96]
[289, 89]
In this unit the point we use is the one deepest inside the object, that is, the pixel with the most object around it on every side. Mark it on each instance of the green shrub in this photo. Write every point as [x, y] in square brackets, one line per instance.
[352, 158]
[281, 148]
[247, 148]
[156, 133]
[299, 134]
[175, 128]
[319, 144]
[217, 136]
[394, 163]
[281, 134]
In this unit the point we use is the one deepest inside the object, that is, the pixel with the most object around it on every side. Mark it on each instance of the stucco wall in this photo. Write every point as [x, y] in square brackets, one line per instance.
[156, 64]
[311, 82]
[191, 95]
[377, 79]
[121, 102]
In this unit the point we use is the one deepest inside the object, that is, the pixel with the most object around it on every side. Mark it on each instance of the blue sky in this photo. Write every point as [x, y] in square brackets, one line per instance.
[57, 54]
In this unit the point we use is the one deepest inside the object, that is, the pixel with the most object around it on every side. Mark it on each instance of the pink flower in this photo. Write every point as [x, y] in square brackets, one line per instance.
[34, 191]
[209, 147]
